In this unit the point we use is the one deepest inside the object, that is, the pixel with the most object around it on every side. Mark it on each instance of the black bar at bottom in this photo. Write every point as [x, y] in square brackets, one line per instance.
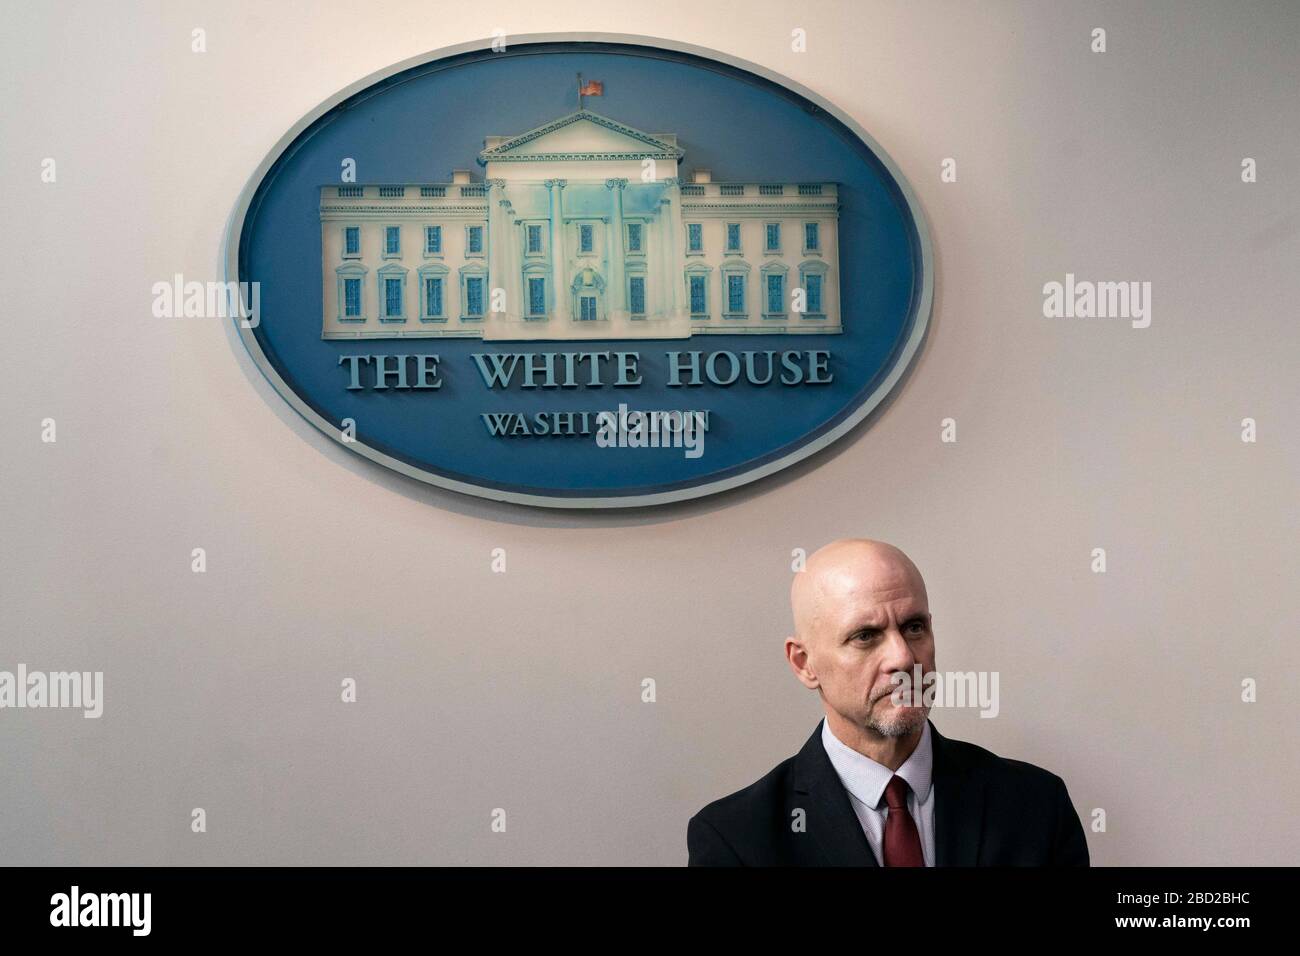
[377, 904]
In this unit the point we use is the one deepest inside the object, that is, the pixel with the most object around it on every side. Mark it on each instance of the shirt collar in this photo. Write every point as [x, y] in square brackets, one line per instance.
[866, 779]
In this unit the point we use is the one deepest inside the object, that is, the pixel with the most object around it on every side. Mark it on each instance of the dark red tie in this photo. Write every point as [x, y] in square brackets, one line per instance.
[902, 842]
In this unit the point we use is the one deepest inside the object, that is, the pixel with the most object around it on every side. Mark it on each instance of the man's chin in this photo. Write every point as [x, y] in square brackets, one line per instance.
[899, 722]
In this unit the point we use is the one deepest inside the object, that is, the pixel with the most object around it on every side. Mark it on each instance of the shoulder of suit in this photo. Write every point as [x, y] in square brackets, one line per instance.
[1002, 769]
[761, 795]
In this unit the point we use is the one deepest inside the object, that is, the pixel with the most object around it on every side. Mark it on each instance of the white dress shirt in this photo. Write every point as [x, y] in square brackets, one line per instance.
[865, 780]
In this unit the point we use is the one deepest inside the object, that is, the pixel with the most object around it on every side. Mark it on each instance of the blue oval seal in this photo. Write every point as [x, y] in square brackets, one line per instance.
[581, 271]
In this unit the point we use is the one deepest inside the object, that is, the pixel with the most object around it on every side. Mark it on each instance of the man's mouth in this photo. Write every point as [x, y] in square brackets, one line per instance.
[883, 695]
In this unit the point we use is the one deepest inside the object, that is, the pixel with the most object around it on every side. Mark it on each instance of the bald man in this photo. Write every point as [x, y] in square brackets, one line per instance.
[877, 784]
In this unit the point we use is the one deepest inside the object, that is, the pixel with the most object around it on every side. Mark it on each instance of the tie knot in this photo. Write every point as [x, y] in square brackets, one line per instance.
[896, 793]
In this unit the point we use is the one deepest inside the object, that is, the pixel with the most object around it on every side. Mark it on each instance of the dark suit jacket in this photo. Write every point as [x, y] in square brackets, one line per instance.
[988, 811]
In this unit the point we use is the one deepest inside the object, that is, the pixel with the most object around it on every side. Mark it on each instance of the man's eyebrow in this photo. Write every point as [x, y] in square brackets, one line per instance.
[861, 628]
[870, 627]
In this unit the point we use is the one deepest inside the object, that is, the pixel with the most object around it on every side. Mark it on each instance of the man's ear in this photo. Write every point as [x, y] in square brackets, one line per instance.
[797, 656]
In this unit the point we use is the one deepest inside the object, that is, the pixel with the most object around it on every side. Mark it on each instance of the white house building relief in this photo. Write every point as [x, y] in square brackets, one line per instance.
[565, 240]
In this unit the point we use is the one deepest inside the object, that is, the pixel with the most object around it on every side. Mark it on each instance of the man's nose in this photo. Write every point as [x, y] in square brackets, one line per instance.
[898, 653]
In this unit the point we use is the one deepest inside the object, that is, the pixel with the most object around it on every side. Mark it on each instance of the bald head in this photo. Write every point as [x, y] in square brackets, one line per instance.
[844, 571]
[861, 615]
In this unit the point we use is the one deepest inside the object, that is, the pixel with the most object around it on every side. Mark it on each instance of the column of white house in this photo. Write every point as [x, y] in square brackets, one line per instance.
[666, 268]
[674, 254]
[552, 296]
[555, 294]
[514, 280]
[618, 306]
[496, 250]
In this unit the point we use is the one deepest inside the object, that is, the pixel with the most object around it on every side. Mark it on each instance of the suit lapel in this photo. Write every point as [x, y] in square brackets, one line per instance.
[958, 804]
[833, 825]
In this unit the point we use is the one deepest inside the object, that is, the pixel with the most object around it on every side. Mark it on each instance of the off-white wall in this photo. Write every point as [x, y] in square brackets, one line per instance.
[522, 690]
